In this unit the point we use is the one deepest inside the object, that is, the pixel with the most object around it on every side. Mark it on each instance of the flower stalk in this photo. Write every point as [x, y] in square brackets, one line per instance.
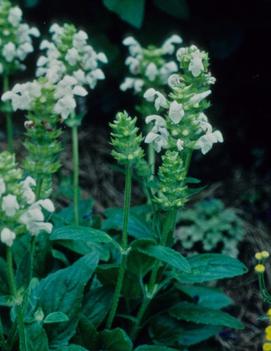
[75, 162]
[121, 273]
[9, 123]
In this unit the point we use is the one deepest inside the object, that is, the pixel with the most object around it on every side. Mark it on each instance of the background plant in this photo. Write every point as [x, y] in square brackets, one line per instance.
[211, 227]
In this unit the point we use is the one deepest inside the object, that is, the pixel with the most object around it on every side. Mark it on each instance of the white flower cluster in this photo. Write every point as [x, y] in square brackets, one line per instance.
[183, 123]
[61, 95]
[149, 65]
[21, 209]
[16, 38]
[69, 53]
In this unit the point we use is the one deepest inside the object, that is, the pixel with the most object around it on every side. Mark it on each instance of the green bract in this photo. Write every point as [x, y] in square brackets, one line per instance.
[126, 139]
[172, 191]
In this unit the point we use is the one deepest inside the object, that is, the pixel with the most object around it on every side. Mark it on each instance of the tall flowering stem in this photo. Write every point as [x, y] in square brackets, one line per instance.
[69, 53]
[179, 126]
[127, 151]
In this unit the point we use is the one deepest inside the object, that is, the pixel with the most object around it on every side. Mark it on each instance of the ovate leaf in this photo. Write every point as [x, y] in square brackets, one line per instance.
[137, 228]
[190, 312]
[115, 340]
[176, 8]
[207, 297]
[62, 291]
[130, 11]
[56, 317]
[166, 255]
[207, 267]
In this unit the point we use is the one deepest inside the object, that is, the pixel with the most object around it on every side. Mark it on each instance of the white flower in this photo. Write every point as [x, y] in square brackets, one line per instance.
[15, 16]
[180, 144]
[167, 69]
[151, 71]
[206, 141]
[132, 83]
[80, 40]
[158, 134]
[174, 80]
[133, 63]
[24, 50]
[65, 106]
[7, 236]
[197, 98]
[36, 227]
[47, 204]
[10, 205]
[32, 214]
[176, 112]
[27, 192]
[72, 56]
[9, 52]
[196, 65]
[158, 98]
[102, 57]
[168, 46]
[2, 186]
[133, 44]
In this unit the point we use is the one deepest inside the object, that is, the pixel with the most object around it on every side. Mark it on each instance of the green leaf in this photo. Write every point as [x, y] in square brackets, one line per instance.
[194, 336]
[98, 302]
[115, 340]
[62, 291]
[56, 317]
[130, 11]
[72, 347]
[207, 297]
[66, 215]
[190, 312]
[166, 255]
[176, 8]
[77, 233]
[137, 228]
[207, 267]
[35, 337]
[154, 348]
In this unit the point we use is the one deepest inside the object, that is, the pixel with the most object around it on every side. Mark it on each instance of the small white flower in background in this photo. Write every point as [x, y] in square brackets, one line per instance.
[2, 186]
[20, 212]
[16, 41]
[10, 205]
[136, 84]
[68, 53]
[169, 45]
[15, 16]
[176, 112]
[150, 64]
[155, 96]
[9, 52]
[7, 236]
[205, 142]
[174, 81]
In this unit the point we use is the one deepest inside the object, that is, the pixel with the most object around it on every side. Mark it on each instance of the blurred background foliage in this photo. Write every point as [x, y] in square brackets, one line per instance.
[237, 36]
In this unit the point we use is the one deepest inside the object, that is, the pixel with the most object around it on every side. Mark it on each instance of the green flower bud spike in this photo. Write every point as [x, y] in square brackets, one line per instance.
[127, 151]
[172, 193]
[126, 140]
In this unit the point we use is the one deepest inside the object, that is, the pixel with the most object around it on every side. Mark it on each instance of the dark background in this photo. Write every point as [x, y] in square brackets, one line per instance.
[237, 36]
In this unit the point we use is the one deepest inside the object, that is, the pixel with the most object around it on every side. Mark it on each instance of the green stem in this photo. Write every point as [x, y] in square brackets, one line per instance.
[75, 161]
[151, 158]
[9, 124]
[121, 272]
[168, 228]
[13, 291]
